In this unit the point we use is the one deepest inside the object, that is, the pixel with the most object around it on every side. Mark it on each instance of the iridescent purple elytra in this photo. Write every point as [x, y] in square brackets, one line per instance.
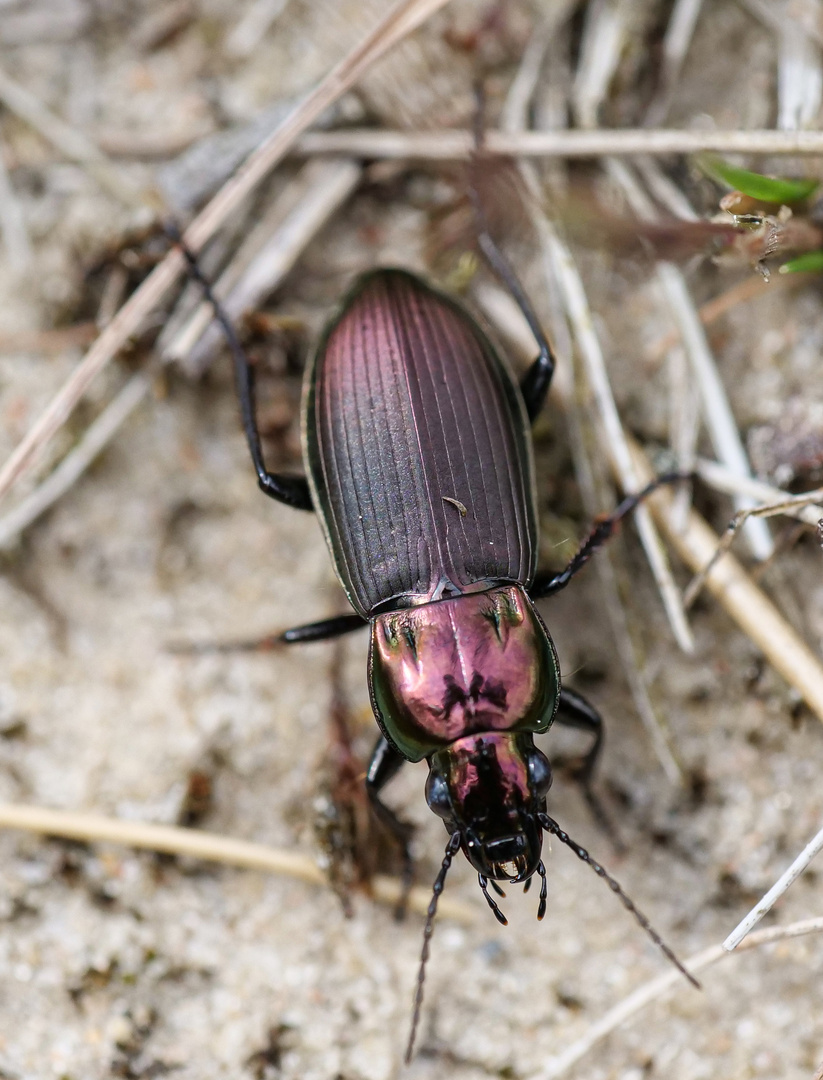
[420, 465]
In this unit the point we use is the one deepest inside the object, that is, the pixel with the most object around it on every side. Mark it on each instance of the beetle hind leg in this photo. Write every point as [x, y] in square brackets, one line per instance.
[292, 490]
[386, 763]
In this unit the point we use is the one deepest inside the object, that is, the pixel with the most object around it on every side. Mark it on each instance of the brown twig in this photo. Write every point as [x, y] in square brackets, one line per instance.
[94, 828]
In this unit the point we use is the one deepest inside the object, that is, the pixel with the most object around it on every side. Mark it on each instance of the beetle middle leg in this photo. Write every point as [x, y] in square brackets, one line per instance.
[385, 763]
[547, 584]
[324, 630]
[575, 711]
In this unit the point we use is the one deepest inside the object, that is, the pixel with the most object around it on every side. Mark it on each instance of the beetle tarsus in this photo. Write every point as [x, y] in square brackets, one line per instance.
[603, 530]
[498, 914]
[544, 891]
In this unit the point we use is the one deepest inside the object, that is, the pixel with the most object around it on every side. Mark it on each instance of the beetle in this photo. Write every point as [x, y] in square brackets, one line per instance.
[419, 464]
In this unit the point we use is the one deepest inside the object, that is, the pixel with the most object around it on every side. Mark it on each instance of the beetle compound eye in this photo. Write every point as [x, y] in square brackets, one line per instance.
[437, 795]
[540, 774]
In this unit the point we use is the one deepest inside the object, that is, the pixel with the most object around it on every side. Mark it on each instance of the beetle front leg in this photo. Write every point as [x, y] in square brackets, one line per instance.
[575, 711]
[384, 764]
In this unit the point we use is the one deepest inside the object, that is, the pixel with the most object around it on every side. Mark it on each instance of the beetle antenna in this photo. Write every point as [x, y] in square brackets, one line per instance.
[544, 891]
[439, 882]
[551, 826]
[490, 900]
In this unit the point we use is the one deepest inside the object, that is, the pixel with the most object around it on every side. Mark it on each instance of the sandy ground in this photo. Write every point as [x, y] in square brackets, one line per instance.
[114, 963]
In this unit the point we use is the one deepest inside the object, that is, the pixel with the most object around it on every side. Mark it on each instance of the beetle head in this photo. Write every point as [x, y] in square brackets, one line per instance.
[490, 788]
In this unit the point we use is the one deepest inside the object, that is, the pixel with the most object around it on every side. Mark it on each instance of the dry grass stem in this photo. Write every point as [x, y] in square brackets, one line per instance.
[69, 141]
[98, 435]
[401, 20]
[791, 502]
[799, 75]
[719, 478]
[456, 145]
[604, 36]
[717, 411]
[324, 186]
[743, 600]
[676, 41]
[766, 903]
[751, 288]
[211, 847]
[654, 990]
[773, 16]
[616, 443]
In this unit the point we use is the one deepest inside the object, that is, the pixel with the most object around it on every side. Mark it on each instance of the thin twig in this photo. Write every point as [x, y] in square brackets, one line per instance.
[452, 145]
[323, 187]
[401, 20]
[521, 91]
[799, 75]
[75, 463]
[69, 141]
[766, 903]
[791, 502]
[571, 290]
[719, 478]
[743, 600]
[676, 41]
[654, 990]
[772, 16]
[750, 288]
[95, 828]
[604, 34]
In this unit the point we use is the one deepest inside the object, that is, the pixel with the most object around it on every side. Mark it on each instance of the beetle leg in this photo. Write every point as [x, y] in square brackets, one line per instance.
[385, 763]
[291, 490]
[324, 630]
[547, 584]
[575, 711]
[535, 383]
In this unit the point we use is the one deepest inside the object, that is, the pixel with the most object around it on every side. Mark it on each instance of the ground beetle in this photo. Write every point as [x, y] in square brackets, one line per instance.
[420, 467]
